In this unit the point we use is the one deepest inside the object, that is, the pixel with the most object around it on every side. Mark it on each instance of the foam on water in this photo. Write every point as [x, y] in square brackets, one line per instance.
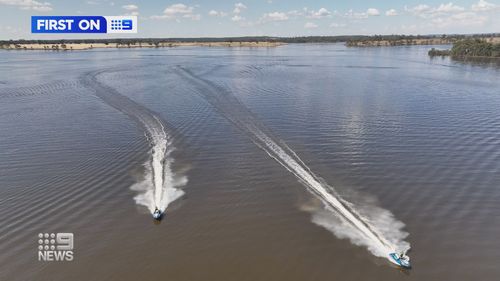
[371, 226]
[159, 185]
[351, 224]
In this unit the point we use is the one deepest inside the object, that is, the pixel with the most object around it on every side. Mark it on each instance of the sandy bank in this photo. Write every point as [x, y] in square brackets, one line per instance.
[87, 46]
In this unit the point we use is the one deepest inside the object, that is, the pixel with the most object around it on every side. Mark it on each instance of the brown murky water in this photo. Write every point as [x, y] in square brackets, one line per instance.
[391, 130]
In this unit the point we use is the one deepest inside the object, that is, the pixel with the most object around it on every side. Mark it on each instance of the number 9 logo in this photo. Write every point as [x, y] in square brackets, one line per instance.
[64, 241]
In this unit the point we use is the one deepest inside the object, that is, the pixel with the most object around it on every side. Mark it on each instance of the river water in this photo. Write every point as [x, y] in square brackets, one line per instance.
[301, 162]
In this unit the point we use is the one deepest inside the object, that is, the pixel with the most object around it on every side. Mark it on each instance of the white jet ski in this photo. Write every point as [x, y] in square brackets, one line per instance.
[401, 260]
[157, 214]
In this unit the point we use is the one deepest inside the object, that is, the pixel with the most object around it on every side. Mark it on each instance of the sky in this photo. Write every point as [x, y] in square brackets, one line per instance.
[224, 18]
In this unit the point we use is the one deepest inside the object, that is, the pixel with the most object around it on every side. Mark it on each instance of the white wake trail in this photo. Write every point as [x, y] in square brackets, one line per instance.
[159, 185]
[380, 232]
[380, 247]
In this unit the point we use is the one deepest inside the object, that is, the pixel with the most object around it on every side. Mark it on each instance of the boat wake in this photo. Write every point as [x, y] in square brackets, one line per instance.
[371, 226]
[159, 185]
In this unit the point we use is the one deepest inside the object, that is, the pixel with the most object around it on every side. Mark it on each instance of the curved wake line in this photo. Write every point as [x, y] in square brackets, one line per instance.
[232, 109]
[160, 185]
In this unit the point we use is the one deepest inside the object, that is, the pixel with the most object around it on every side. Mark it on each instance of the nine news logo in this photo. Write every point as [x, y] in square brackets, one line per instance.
[55, 246]
[84, 24]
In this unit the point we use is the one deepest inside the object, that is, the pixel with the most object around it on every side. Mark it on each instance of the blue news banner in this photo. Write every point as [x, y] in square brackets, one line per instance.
[84, 24]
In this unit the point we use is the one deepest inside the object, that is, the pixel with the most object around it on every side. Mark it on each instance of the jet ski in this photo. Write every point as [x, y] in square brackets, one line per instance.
[401, 260]
[157, 214]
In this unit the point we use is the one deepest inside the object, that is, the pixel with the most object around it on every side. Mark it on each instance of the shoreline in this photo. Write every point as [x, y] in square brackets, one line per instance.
[89, 46]
[400, 42]
[412, 42]
[469, 48]
[375, 41]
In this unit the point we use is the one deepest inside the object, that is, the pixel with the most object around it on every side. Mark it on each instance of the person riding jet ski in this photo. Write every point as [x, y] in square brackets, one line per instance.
[157, 214]
[401, 260]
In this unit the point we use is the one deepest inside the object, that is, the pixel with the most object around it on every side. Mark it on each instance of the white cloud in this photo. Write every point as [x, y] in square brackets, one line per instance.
[274, 16]
[464, 19]
[449, 8]
[130, 7]
[310, 25]
[238, 8]
[215, 13]
[177, 11]
[237, 18]
[483, 6]
[353, 15]
[425, 11]
[321, 13]
[446, 16]
[391, 12]
[240, 5]
[419, 9]
[372, 12]
[28, 5]
[363, 15]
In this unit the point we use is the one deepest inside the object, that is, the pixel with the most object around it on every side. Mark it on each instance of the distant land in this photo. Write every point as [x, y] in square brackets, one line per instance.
[57, 45]
[470, 48]
[250, 41]
[404, 40]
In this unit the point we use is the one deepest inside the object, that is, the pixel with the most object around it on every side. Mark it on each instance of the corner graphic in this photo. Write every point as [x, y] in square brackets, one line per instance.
[84, 24]
[55, 246]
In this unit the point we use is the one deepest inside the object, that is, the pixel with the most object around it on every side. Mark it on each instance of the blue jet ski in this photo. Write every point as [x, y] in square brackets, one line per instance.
[157, 214]
[401, 260]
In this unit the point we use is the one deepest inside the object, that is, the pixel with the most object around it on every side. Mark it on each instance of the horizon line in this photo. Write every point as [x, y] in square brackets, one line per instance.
[265, 36]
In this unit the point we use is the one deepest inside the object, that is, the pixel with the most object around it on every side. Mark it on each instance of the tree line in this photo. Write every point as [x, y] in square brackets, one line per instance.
[475, 48]
[470, 47]
[298, 39]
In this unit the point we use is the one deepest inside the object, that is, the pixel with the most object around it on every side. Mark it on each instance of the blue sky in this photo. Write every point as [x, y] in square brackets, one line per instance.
[187, 18]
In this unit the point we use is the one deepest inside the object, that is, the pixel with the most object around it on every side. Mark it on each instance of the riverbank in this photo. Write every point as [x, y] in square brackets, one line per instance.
[87, 46]
[410, 40]
[470, 48]
[262, 41]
